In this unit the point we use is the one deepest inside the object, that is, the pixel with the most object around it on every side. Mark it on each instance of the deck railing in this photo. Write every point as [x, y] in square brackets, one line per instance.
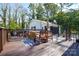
[3, 38]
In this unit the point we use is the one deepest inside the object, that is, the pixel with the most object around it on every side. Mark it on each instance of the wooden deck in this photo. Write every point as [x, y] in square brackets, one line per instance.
[46, 49]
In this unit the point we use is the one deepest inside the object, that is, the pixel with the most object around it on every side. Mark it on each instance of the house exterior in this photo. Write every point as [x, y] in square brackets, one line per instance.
[40, 24]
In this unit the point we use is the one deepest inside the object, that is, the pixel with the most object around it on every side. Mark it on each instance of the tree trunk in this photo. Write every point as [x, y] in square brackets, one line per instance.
[68, 34]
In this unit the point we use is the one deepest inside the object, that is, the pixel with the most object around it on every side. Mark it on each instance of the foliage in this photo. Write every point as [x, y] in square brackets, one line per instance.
[14, 25]
[32, 10]
[40, 12]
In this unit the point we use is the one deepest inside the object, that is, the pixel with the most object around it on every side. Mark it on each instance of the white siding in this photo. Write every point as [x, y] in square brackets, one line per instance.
[39, 24]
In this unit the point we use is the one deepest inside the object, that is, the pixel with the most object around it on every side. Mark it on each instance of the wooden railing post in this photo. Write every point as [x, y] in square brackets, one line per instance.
[3, 38]
[1, 46]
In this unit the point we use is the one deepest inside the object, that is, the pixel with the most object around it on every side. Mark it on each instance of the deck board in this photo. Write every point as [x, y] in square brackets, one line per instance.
[46, 49]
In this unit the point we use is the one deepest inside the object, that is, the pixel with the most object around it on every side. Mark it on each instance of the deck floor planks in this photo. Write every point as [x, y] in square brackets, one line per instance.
[45, 49]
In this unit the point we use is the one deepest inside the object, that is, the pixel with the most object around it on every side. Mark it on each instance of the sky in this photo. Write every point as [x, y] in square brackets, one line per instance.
[14, 5]
[74, 6]
[26, 5]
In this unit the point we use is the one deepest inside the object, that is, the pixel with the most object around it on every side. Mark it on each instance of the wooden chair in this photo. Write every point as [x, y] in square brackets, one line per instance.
[44, 36]
[32, 35]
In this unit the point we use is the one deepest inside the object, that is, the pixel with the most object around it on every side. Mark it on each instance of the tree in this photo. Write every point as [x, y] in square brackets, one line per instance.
[64, 22]
[4, 8]
[40, 12]
[51, 9]
[13, 24]
[17, 11]
[9, 15]
[32, 10]
[63, 19]
[64, 6]
[23, 17]
[75, 20]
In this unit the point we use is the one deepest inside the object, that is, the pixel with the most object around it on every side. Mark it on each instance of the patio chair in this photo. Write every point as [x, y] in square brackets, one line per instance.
[43, 36]
[32, 35]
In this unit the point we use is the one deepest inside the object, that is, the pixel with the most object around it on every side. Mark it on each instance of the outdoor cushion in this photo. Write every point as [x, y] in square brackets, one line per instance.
[29, 42]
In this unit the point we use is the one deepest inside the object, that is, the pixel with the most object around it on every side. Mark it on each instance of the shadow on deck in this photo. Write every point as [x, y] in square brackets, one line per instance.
[73, 50]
